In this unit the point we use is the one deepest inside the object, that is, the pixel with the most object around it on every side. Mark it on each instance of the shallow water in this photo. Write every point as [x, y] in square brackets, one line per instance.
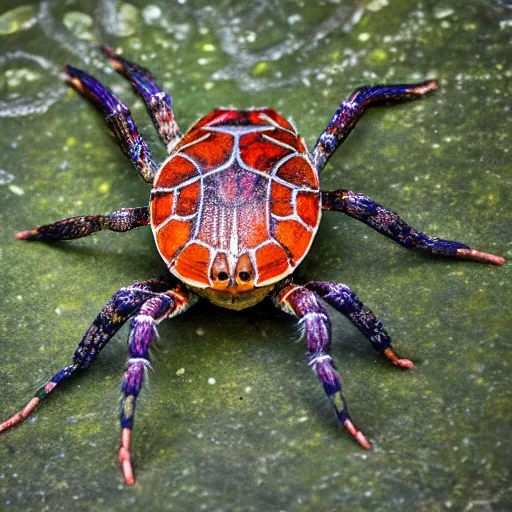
[232, 418]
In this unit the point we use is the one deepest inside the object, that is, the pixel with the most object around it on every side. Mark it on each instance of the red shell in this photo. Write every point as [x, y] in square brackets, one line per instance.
[239, 182]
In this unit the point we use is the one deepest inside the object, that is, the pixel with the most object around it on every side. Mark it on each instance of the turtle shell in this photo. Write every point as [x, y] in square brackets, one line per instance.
[240, 184]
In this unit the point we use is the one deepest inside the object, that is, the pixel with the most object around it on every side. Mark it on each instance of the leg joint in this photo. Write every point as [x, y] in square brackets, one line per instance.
[315, 315]
[318, 357]
[139, 360]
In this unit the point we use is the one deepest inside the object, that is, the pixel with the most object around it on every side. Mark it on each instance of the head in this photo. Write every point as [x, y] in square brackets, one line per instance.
[233, 282]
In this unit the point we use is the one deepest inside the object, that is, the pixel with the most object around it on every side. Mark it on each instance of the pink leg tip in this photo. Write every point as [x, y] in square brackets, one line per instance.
[403, 363]
[126, 466]
[22, 235]
[11, 422]
[108, 51]
[426, 87]
[113, 59]
[398, 361]
[361, 439]
[19, 416]
[359, 436]
[124, 457]
[480, 256]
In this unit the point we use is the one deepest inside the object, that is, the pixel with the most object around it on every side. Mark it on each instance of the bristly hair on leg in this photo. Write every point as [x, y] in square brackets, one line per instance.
[300, 332]
[147, 367]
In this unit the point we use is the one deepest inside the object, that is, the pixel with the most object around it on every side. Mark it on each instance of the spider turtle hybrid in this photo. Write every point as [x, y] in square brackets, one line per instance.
[234, 209]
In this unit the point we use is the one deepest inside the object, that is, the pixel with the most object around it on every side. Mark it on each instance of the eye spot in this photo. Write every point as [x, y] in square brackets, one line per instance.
[222, 276]
[244, 276]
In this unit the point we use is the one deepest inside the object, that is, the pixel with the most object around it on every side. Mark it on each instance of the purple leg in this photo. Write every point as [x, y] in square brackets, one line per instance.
[343, 299]
[78, 227]
[116, 312]
[118, 118]
[164, 305]
[158, 103]
[124, 304]
[345, 118]
[391, 225]
[305, 305]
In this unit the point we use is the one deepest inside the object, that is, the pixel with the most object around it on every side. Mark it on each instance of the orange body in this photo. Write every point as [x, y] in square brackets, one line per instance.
[236, 206]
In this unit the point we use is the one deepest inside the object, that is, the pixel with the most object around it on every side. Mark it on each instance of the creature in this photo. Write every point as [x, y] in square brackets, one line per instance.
[234, 209]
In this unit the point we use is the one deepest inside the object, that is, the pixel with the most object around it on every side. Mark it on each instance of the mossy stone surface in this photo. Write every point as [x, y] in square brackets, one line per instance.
[232, 418]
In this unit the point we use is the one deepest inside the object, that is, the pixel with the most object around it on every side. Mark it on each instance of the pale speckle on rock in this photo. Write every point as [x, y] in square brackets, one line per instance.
[16, 190]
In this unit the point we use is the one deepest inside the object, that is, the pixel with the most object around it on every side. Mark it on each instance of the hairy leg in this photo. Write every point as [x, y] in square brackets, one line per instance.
[158, 103]
[111, 318]
[349, 112]
[85, 225]
[118, 118]
[161, 306]
[305, 305]
[391, 225]
[343, 299]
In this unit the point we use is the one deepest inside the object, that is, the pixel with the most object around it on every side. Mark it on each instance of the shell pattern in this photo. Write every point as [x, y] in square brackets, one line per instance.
[238, 183]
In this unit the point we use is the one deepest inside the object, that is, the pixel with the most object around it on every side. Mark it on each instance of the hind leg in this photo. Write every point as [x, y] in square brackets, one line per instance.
[112, 317]
[343, 299]
[164, 305]
[305, 305]
[150, 302]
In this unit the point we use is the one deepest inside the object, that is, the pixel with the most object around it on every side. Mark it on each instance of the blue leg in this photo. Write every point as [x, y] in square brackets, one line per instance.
[391, 225]
[343, 299]
[158, 103]
[305, 305]
[150, 301]
[118, 118]
[349, 112]
[112, 317]
[85, 225]
[162, 306]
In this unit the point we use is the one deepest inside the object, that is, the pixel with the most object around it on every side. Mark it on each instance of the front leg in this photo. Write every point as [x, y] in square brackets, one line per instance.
[305, 305]
[148, 302]
[346, 117]
[158, 103]
[162, 306]
[118, 118]
[391, 225]
[123, 304]
[344, 300]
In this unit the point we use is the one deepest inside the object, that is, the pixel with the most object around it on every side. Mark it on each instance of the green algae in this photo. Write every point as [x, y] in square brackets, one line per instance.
[80, 24]
[246, 426]
[18, 19]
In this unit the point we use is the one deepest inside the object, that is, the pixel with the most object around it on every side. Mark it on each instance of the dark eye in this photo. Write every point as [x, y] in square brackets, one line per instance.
[244, 276]
[223, 276]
